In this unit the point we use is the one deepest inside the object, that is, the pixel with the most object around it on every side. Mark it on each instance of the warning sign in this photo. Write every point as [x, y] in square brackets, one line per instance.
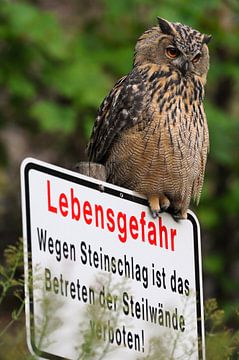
[104, 280]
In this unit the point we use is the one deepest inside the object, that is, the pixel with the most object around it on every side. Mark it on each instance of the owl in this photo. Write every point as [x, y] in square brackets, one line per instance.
[151, 131]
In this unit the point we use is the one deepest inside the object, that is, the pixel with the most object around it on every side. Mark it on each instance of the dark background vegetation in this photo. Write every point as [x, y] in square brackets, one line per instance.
[58, 59]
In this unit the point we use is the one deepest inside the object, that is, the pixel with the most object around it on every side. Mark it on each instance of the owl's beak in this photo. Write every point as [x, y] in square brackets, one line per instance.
[184, 67]
[183, 64]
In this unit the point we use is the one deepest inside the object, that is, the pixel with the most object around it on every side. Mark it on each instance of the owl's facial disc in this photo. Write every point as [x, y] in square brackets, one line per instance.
[178, 59]
[184, 61]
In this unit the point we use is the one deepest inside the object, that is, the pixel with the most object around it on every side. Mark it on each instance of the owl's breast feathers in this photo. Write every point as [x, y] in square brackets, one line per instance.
[151, 132]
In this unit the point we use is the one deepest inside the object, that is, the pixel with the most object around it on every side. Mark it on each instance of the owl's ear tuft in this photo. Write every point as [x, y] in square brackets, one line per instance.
[165, 26]
[206, 39]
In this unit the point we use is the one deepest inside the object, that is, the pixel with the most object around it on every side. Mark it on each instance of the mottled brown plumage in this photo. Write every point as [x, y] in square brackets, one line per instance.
[151, 131]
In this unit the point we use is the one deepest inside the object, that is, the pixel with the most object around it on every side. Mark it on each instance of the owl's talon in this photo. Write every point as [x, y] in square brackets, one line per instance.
[156, 213]
[164, 202]
[183, 215]
[180, 215]
[154, 205]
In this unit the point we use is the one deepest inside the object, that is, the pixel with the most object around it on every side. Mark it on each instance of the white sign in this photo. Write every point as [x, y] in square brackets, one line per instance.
[104, 280]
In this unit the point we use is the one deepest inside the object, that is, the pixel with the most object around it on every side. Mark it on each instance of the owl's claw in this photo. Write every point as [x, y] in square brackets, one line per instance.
[154, 205]
[164, 202]
[155, 213]
[180, 216]
[158, 204]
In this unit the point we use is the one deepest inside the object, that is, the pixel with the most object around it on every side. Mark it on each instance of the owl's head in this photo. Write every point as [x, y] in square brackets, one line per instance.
[176, 45]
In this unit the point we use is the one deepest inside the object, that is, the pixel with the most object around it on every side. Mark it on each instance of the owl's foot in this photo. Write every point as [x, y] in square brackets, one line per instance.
[180, 215]
[164, 202]
[154, 205]
[158, 204]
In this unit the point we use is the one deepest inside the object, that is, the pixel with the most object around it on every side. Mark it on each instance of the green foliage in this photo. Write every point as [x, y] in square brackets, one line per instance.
[47, 115]
[26, 22]
[224, 140]
[42, 69]
[13, 261]
[11, 283]
[214, 264]
[221, 343]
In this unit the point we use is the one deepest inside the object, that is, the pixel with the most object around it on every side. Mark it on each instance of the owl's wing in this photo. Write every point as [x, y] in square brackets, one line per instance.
[120, 110]
[198, 183]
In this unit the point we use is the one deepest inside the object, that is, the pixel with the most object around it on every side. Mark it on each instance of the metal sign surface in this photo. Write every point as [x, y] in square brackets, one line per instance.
[103, 278]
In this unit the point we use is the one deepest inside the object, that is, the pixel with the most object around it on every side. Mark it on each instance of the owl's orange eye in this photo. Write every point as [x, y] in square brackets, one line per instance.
[172, 52]
[196, 58]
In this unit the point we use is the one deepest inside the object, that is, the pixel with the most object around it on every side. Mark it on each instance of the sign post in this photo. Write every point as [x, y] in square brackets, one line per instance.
[104, 280]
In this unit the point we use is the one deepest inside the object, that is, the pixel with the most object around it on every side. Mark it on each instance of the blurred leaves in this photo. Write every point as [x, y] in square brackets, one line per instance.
[13, 261]
[52, 117]
[213, 264]
[221, 343]
[42, 67]
[224, 131]
[28, 23]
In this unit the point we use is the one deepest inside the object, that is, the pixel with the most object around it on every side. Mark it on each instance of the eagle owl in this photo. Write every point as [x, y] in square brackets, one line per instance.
[151, 131]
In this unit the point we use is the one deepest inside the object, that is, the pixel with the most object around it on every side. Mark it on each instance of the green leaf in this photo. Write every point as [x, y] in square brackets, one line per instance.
[231, 200]
[53, 117]
[223, 131]
[39, 27]
[213, 264]
[82, 80]
[20, 86]
[208, 216]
